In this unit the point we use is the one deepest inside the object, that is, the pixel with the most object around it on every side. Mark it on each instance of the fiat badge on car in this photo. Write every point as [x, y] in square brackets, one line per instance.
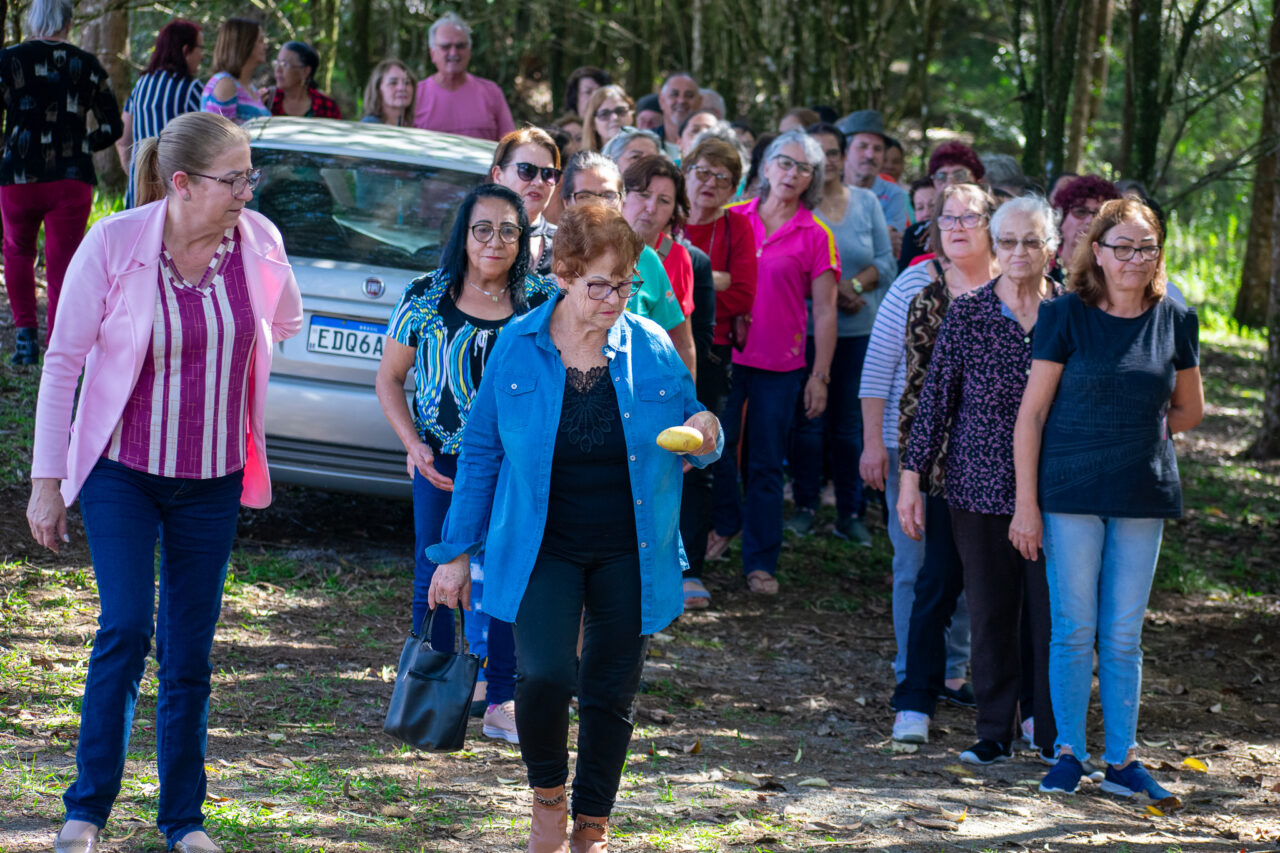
[373, 287]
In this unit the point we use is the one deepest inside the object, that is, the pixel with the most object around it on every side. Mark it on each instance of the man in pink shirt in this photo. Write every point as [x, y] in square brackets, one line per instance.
[453, 101]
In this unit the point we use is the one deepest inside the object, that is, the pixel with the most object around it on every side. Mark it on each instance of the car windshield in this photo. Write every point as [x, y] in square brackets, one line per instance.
[356, 210]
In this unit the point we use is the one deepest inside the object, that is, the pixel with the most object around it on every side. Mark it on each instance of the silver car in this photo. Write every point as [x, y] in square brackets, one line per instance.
[364, 209]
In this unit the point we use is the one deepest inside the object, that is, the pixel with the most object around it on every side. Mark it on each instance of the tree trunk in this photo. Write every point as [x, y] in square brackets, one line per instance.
[329, 20]
[1255, 276]
[1267, 444]
[1144, 112]
[1081, 102]
[361, 63]
[1100, 63]
[105, 34]
[1058, 35]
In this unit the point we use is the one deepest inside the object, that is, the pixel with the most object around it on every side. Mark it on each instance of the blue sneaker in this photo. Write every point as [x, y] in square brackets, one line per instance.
[1131, 780]
[1064, 777]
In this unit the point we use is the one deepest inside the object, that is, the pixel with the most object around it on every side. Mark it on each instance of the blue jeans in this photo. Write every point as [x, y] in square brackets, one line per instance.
[493, 641]
[430, 506]
[908, 557]
[125, 512]
[843, 416]
[768, 398]
[1100, 572]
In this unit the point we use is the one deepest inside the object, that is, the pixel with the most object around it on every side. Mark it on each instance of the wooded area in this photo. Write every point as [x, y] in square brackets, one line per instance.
[1173, 93]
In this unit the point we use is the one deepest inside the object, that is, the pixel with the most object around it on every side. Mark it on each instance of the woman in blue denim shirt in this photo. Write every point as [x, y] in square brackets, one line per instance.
[1115, 373]
[560, 481]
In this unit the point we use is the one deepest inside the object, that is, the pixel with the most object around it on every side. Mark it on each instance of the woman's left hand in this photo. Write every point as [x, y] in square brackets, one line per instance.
[815, 397]
[709, 425]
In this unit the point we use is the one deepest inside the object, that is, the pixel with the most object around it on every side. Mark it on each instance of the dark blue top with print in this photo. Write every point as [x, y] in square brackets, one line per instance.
[1107, 449]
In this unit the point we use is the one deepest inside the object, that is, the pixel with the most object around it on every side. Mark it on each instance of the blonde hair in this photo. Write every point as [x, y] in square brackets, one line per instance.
[590, 139]
[373, 105]
[236, 40]
[188, 143]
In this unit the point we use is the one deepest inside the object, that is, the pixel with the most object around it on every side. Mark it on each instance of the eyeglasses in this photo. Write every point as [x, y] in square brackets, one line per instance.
[282, 63]
[947, 222]
[786, 164]
[959, 175]
[1031, 244]
[238, 184]
[599, 289]
[616, 112]
[528, 171]
[484, 231]
[702, 173]
[1082, 212]
[1124, 252]
[587, 195]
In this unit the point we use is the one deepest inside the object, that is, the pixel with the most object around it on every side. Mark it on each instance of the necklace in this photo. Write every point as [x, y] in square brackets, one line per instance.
[494, 296]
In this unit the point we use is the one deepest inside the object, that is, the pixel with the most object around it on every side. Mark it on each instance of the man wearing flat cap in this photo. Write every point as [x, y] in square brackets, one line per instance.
[864, 131]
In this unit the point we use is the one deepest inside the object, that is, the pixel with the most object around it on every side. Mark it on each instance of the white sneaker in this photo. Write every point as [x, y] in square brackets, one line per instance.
[500, 722]
[1029, 731]
[911, 727]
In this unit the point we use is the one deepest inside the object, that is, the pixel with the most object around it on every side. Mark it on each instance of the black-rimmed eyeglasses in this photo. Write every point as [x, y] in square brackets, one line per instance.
[484, 231]
[1124, 252]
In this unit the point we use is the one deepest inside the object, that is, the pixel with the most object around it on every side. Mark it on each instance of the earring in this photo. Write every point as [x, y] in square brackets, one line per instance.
[186, 197]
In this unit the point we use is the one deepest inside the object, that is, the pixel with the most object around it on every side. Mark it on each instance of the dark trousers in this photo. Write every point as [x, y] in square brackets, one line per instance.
[998, 580]
[839, 429]
[938, 586]
[607, 585]
[125, 512]
[768, 399]
[63, 207]
[697, 496]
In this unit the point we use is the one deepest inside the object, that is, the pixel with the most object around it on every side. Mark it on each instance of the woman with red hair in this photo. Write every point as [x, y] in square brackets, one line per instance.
[1078, 202]
[955, 163]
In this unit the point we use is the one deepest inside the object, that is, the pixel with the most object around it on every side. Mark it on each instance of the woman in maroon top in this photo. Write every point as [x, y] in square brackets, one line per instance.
[712, 171]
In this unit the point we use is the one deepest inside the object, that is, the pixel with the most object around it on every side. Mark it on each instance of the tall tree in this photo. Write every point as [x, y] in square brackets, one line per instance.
[1044, 78]
[105, 33]
[1255, 273]
[1091, 42]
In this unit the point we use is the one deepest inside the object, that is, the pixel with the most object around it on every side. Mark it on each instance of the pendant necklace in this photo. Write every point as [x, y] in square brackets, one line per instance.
[494, 296]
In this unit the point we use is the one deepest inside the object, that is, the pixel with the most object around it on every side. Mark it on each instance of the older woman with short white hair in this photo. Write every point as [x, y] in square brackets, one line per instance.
[797, 258]
[630, 145]
[969, 402]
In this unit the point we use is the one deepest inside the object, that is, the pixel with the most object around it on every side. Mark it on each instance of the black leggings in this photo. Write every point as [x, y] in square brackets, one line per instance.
[607, 586]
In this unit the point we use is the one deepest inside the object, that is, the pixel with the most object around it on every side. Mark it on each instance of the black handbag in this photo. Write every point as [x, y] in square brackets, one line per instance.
[431, 702]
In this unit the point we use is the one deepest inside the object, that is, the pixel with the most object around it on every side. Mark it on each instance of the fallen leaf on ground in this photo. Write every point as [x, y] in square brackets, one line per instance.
[658, 715]
[770, 784]
[935, 823]
[214, 798]
[394, 811]
[275, 737]
[1166, 806]
[261, 763]
[1196, 764]
[694, 748]
[744, 778]
[814, 782]
[899, 746]
[958, 770]
[958, 817]
[1215, 709]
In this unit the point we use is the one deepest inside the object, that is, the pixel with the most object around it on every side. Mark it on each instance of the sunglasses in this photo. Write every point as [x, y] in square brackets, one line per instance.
[704, 174]
[616, 112]
[528, 171]
[959, 175]
[1010, 244]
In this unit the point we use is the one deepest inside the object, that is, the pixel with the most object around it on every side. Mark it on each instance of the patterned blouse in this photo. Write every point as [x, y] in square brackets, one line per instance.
[453, 349]
[924, 318]
[971, 396]
[322, 106]
[240, 109]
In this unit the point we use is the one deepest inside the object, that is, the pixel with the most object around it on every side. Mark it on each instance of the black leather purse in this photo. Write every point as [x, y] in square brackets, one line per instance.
[431, 702]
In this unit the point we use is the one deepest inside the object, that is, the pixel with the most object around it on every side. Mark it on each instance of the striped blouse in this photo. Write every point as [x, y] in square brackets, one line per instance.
[156, 98]
[187, 414]
[884, 371]
[244, 106]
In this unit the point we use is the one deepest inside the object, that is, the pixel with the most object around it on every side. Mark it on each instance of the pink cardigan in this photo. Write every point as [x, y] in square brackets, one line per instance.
[103, 329]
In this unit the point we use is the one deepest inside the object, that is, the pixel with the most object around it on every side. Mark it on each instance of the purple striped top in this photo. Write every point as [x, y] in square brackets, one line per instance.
[187, 414]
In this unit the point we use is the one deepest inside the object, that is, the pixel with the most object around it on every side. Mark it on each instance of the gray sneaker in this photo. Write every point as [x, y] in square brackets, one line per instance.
[851, 528]
[800, 523]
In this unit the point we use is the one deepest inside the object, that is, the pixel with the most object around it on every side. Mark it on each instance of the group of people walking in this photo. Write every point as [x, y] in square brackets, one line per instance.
[1007, 366]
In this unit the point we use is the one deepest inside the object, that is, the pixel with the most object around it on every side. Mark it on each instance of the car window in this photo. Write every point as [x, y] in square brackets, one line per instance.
[357, 210]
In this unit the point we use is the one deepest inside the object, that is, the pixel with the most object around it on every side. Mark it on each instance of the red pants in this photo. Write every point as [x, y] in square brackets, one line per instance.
[63, 207]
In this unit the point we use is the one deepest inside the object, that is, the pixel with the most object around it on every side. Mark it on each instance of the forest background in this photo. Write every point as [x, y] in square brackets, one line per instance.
[1179, 94]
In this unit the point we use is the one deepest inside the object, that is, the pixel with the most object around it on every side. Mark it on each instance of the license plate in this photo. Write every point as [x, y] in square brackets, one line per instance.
[337, 336]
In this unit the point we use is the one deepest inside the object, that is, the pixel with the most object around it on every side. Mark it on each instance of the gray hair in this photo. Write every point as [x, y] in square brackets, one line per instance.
[452, 19]
[587, 161]
[614, 147]
[1030, 206]
[812, 196]
[46, 17]
[1002, 169]
[724, 131]
[713, 101]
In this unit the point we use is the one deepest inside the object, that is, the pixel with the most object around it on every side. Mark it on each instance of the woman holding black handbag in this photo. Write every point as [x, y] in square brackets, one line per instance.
[577, 509]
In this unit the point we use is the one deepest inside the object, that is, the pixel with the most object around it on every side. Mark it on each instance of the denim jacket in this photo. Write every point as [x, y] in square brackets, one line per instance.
[504, 472]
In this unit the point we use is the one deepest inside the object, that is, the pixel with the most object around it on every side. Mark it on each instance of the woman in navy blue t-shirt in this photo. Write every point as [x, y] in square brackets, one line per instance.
[1114, 375]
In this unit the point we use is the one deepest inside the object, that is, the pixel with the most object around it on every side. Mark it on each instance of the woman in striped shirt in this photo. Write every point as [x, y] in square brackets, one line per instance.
[173, 311]
[167, 88]
[241, 49]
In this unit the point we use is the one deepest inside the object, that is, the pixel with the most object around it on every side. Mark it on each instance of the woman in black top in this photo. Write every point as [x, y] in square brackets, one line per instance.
[46, 174]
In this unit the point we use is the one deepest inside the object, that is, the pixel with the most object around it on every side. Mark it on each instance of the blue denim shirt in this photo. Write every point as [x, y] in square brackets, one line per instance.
[504, 471]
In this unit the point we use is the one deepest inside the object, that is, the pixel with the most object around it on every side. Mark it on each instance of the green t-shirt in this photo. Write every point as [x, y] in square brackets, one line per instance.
[654, 298]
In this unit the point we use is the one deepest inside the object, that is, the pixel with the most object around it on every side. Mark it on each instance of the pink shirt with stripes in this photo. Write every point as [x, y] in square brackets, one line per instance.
[186, 416]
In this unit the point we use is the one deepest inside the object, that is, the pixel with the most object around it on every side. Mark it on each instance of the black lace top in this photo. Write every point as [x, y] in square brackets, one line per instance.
[590, 499]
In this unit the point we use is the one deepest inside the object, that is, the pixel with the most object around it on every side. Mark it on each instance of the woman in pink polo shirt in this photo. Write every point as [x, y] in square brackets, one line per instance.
[171, 314]
[797, 258]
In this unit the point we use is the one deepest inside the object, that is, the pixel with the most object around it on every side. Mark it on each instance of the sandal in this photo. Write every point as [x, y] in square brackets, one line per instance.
[696, 596]
[718, 546]
[762, 583]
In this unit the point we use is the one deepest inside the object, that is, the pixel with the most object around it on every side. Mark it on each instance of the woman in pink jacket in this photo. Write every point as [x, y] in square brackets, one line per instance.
[170, 311]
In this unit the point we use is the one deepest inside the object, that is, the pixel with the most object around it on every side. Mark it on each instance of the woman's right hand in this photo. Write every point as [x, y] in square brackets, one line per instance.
[451, 584]
[1026, 530]
[47, 514]
[424, 461]
[910, 505]
[874, 465]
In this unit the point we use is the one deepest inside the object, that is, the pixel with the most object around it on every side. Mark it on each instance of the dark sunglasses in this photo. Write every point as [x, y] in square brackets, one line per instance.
[528, 171]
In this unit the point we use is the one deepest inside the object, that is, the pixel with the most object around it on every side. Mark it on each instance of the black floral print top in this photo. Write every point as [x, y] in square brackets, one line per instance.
[924, 318]
[49, 88]
[971, 395]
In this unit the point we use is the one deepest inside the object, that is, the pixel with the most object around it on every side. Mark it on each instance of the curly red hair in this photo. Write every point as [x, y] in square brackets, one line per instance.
[1082, 189]
[957, 154]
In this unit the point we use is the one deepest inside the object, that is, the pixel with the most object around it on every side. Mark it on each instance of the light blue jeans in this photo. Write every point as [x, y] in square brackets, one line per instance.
[908, 557]
[1100, 572]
